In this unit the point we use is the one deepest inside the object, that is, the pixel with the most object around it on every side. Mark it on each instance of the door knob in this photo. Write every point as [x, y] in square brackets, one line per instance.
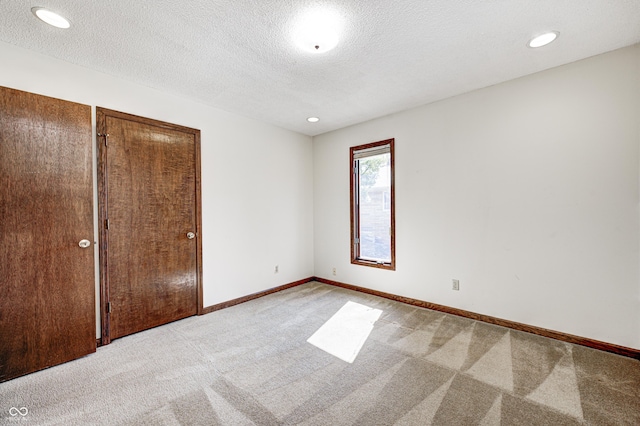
[191, 235]
[84, 243]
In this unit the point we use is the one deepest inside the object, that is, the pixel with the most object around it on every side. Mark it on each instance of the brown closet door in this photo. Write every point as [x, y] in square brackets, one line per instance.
[151, 255]
[47, 281]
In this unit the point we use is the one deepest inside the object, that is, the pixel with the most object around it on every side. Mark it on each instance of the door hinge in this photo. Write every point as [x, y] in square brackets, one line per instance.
[106, 224]
[108, 307]
[105, 135]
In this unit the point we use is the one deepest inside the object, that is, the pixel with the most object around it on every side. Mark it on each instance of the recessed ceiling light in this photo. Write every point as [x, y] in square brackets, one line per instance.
[50, 17]
[543, 39]
[313, 119]
[317, 30]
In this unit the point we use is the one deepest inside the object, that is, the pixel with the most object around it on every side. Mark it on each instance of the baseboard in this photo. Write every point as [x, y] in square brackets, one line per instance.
[243, 299]
[583, 341]
[564, 337]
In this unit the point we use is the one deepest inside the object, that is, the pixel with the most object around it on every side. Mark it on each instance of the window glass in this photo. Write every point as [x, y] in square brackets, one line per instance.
[372, 218]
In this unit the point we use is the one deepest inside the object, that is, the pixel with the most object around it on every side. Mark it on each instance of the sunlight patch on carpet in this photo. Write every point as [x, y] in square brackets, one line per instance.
[344, 334]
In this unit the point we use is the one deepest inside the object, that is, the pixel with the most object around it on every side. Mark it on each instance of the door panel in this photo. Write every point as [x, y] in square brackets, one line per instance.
[47, 282]
[150, 188]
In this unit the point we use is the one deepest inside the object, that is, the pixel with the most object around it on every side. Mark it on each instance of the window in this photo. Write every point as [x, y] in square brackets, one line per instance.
[372, 205]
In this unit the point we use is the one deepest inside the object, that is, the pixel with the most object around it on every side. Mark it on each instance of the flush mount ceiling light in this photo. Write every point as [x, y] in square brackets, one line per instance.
[313, 119]
[317, 30]
[50, 17]
[543, 39]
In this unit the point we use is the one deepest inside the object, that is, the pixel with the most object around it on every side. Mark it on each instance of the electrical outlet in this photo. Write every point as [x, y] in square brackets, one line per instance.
[333, 271]
[275, 270]
[456, 284]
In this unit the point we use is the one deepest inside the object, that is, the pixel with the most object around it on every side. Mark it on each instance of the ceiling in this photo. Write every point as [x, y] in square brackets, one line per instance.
[239, 56]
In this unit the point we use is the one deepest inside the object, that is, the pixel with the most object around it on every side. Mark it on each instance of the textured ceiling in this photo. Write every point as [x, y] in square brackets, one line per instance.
[238, 55]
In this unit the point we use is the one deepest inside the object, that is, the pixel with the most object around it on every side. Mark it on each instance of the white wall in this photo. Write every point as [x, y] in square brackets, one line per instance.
[256, 178]
[527, 192]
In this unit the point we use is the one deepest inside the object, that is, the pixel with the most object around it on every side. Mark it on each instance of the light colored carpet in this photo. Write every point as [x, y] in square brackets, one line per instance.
[252, 364]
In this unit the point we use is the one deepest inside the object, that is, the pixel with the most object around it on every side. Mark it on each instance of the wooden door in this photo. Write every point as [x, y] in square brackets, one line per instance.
[150, 222]
[47, 281]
